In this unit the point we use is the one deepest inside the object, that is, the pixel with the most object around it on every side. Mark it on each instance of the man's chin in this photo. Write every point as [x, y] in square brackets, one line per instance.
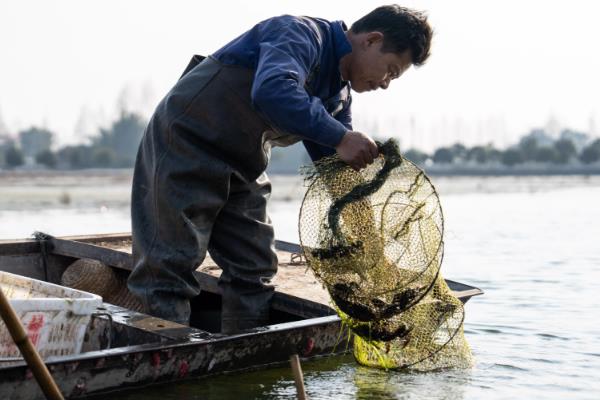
[360, 89]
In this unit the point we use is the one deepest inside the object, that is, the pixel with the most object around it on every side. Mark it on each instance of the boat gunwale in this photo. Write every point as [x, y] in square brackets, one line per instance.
[187, 342]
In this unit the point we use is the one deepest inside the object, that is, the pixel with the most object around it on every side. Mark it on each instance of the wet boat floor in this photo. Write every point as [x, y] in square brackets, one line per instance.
[293, 277]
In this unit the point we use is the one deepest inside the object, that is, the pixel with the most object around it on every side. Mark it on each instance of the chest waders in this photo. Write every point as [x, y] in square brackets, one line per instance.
[199, 185]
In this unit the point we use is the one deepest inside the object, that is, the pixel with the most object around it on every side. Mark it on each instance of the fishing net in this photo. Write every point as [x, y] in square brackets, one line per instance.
[96, 277]
[374, 239]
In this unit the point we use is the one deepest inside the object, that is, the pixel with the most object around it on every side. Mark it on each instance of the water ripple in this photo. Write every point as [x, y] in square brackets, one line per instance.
[590, 354]
[545, 360]
[510, 367]
[552, 337]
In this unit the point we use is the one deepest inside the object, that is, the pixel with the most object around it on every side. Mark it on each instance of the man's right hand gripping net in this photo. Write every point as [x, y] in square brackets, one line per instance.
[374, 238]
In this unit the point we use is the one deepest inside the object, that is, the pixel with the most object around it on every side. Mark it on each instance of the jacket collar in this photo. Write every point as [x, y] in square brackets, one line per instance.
[341, 44]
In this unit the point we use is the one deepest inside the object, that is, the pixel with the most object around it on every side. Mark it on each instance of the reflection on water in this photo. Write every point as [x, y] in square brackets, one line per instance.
[530, 243]
[331, 378]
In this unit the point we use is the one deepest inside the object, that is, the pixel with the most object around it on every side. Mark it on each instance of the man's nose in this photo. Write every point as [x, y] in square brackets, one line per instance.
[384, 83]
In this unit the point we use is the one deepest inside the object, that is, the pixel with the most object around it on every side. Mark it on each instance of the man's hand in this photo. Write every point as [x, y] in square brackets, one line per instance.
[357, 150]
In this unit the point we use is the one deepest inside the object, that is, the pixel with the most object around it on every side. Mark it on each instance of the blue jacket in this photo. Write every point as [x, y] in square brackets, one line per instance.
[297, 85]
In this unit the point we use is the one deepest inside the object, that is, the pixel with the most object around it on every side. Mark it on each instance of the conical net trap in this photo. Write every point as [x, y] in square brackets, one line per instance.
[374, 238]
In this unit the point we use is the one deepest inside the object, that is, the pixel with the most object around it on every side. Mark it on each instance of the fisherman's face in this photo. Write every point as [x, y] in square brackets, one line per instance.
[370, 68]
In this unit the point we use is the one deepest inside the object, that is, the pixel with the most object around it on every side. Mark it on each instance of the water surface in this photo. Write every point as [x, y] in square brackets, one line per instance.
[531, 243]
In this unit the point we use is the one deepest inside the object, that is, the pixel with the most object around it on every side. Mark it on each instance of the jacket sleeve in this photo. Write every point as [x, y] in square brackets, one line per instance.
[317, 151]
[286, 55]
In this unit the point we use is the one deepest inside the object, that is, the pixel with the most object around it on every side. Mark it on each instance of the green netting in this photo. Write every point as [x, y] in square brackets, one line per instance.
[374, 238]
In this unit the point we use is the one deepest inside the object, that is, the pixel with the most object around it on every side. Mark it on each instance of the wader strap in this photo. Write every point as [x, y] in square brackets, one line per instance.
[196, 59]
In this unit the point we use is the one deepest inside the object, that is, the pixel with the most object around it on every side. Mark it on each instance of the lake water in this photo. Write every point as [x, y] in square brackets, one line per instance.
[531, 243]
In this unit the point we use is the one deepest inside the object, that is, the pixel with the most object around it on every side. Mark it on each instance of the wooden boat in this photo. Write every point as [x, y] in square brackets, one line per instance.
[125, 349]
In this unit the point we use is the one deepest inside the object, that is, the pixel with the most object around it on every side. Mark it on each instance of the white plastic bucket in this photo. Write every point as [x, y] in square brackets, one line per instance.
[54, 317]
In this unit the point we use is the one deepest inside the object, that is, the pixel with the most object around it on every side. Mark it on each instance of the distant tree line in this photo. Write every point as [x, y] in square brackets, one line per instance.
[536, 147]
[113, 147]
[116, 147]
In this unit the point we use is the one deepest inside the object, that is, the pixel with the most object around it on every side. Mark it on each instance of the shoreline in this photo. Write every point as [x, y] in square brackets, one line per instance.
[464, 171]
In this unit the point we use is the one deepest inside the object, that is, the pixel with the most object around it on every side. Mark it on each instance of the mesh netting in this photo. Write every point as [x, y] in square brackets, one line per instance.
[96, 277]
[374, 238]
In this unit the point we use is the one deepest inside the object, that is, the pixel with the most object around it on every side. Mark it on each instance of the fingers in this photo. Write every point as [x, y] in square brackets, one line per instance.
[356, 164]
[360, 164]
[357, 150]
[367, 157]
[363, 158]
[369, 153]
[374, 150]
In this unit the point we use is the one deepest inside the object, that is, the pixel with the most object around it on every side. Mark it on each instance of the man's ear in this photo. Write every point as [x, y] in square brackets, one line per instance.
[374, 37]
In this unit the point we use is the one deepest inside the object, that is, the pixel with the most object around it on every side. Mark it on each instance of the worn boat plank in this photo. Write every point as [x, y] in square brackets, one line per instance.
[293, 276]
[296, 280]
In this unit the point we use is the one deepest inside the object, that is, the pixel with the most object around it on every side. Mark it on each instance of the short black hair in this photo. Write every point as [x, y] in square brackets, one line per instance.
[403, 29]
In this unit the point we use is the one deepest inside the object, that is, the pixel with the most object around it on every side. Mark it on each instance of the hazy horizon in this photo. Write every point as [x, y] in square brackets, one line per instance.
[498, 69]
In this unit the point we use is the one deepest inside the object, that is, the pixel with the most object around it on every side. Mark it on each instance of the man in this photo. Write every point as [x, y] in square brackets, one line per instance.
[199, 183]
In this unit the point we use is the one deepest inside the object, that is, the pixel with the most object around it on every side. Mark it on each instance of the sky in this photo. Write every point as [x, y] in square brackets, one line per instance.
[498, 69]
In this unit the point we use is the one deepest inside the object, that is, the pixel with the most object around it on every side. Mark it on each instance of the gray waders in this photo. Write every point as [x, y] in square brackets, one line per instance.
[199, 185]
